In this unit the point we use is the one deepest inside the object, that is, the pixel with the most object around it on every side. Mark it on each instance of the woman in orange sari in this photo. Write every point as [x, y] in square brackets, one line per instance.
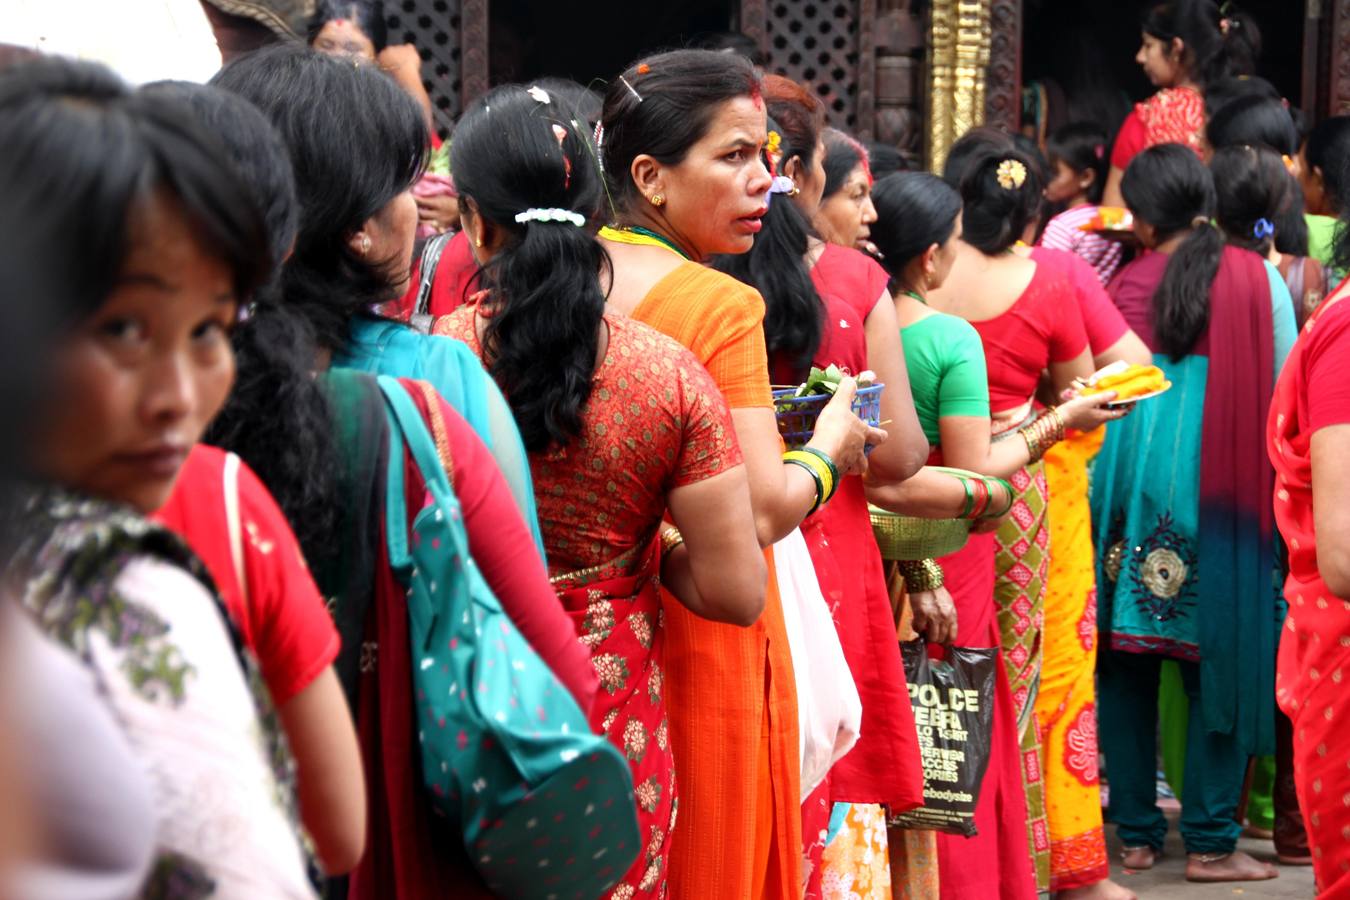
[681, 137]
[612, 443]
[1309, 441]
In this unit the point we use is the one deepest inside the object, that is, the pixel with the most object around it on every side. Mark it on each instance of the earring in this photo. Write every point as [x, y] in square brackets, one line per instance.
[365, 244]
[795, 191]
[658, 200]
[478, 242]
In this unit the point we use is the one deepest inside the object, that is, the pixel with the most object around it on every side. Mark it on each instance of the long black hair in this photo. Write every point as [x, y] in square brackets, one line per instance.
[915, 210]
[661, 106]
[1083, 147]
[843, 154]
[1253, 190]
[516, 152]
[1001, 194]
[1217, 44]
[367, 15]
[355, 141]
[1258, 121]
[84, 149]
[776, 264]
[1169, 188]
[1328, 149]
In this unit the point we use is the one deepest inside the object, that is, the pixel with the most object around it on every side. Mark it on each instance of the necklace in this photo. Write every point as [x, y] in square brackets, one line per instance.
[915, 295]
[636, 234]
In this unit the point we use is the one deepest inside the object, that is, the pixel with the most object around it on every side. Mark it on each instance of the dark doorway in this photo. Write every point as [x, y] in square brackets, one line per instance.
[1083, 51]
[593, 40]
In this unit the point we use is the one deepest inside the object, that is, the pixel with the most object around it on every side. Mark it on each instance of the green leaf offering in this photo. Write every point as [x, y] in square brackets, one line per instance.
[826, 381]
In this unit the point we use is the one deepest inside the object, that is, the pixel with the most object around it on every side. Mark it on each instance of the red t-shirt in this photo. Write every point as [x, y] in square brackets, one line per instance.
[1042, 326]
[1102, 321]
[450, 286]
[279, 611]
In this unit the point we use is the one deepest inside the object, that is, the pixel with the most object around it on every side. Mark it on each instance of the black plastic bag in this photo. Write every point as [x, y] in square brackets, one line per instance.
[953, 701]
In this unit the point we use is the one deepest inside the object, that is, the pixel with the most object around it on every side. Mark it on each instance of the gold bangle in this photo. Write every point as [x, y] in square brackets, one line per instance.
[921, 575]
[670, 539]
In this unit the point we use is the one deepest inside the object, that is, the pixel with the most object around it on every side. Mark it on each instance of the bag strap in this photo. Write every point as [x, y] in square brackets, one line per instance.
[231, 486]
[406, 425]
[431, 258]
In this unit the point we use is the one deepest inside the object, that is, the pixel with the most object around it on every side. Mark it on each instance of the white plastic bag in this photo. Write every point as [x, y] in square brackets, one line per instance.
[829, 710]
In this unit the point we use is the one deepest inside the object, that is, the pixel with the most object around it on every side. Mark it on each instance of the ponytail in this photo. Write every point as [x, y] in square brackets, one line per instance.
[1169, 188]
[1181, 302]
[521, 154]
[277, 420]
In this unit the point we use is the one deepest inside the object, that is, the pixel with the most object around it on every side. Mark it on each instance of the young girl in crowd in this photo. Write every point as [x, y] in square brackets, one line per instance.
[325, 454]
[1077, 152]
[821, 314]
[232, 522]
[680, 135]
[611, 410]
[1186, 45]
[169, 247]
[1185, 551]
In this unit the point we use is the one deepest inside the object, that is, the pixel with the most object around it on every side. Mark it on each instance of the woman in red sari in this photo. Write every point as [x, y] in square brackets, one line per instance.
[1186, 45]
[1308, 442]
[621, 423]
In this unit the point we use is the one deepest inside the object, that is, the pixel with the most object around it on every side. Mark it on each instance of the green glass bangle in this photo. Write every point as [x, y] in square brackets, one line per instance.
[1012, 498]
[820, 487]
[834, 470]
[970, 497]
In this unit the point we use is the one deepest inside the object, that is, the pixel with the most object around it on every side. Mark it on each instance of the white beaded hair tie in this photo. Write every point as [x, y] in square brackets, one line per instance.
[551, 215]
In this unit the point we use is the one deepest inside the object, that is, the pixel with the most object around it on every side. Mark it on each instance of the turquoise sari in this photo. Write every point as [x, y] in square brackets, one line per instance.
[383, 347]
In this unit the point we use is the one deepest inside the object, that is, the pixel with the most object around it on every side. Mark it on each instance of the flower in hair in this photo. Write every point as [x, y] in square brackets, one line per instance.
[1011, 174]
[551, 215]
[539, 94]
[643, 68]
[1099, 151]
[1263, 229]
[774, 144]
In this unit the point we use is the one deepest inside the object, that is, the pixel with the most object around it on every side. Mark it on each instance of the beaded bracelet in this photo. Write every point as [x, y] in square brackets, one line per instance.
[921, 575]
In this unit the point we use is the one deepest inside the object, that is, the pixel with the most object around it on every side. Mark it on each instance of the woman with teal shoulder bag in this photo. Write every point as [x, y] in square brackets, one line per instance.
[346, 460]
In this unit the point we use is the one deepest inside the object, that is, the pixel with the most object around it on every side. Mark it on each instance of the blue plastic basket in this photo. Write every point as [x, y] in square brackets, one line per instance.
[797, 415]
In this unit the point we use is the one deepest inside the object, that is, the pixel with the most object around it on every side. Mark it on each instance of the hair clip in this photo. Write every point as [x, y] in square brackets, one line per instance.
[781, 184]
[1099, 151]
[1199, 221]
[539, 94]
[630, 88]
[1011, 174]
[1288, 163]
[643, 68]
[551, 215]
[560, 132]
[1263, 229]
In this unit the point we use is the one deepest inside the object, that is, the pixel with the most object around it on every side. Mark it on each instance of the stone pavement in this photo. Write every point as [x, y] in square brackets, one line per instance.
[1167, 879]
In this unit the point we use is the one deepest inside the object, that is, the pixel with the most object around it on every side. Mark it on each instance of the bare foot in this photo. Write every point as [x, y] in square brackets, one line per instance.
[1290, 859]
[1258, 833]
[1139, 858]
[1102, 890]
[1236, 866]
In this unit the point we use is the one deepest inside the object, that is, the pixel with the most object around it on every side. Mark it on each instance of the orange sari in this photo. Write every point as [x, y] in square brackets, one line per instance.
[730, 694]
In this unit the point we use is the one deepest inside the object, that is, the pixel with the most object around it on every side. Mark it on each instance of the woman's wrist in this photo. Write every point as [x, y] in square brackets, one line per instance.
[1043, 433]
[822, 469]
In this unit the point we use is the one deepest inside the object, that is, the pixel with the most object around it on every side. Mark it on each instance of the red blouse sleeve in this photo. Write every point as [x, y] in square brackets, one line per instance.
[294, 635]
[1133, 137]
[1327, 367]
[504, 550]
[709, 444]
[1102, 321]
